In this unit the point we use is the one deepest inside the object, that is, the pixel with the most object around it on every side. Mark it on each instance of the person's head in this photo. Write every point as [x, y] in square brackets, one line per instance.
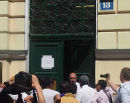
[83, 80]
[101, 85]
[46, 83]
[63, 86]
[72, 77]
[125, 74]
[71, 88]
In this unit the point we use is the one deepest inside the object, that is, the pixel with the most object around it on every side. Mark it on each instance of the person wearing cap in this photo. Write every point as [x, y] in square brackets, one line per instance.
[73, 79]
[86, 93]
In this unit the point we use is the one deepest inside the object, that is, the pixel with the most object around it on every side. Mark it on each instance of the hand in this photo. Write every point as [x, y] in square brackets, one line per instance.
[108, 78]
[11, 80]
[35, 82]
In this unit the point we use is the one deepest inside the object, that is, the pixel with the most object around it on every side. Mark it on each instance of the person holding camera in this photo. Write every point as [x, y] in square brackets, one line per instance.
[36, 85]
[22, 82]
[103, 95]
[123, 92]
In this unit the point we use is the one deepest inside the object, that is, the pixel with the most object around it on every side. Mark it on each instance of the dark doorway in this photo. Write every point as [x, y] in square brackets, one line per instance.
[79, 57]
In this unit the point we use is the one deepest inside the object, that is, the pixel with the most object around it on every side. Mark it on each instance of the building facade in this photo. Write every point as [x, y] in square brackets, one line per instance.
[112, 50]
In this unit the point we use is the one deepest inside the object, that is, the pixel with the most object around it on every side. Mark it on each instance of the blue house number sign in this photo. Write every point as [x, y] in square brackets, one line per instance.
[106, 5]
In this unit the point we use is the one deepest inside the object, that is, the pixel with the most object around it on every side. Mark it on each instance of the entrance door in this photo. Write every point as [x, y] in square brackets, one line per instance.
[46, 59]
[64, 30]
[79, 57]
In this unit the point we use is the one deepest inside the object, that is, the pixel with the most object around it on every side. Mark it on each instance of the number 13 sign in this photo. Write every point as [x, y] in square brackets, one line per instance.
[106, 5]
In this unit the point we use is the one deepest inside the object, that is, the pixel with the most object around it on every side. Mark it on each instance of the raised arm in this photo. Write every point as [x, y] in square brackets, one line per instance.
[36, 85]
[112, 85]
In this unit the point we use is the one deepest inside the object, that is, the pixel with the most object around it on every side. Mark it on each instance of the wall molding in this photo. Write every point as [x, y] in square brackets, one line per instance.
[112, 54]
[13, 55]
[100, 54]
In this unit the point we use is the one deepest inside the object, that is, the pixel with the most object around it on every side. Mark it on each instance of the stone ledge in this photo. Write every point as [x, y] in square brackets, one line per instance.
[13, 55]
[123, 11]
[112, 54]
[113, 30]
[16, 0]
[106, 12]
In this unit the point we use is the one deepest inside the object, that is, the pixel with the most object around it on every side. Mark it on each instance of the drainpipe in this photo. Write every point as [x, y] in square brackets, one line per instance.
[26, 39]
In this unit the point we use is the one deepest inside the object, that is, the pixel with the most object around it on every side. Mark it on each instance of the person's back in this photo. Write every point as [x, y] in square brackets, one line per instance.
[50, 95]
[124, 90]
[86, 93]
[63, 88]
[69, 96]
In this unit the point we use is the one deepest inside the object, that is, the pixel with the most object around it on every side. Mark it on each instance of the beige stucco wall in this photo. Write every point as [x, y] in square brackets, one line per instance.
[12, 34]
[9, 69]
[113, 33]
[3, 8]
[112, 67]
[15, 67]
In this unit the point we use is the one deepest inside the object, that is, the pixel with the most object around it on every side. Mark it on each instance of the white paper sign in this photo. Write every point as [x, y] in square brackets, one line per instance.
[47, 62]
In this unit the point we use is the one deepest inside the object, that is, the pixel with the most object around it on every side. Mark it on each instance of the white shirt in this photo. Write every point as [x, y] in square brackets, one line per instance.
[15, 97]
[102, 96]
[49, 95]
[78, 86]
[85, 94]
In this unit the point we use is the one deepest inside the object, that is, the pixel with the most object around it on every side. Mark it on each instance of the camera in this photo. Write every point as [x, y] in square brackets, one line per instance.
[104, 75]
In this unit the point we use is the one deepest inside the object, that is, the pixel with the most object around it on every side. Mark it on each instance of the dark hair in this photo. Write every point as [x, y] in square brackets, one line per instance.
[63, 86]
[23, 80]
[46, 82]
[14, 90]
[102, 83]
[125, 72]
[71, 88]
[22, 83]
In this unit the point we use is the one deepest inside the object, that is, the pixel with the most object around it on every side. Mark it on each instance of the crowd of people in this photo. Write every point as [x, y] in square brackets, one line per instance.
[27, 88]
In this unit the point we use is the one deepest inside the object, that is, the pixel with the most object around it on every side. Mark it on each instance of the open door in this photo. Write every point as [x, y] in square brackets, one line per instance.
[79, 57]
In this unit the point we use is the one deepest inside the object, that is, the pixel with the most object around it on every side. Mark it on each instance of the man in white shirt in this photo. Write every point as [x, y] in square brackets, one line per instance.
[73, 79]
[86, 93]
[51, 96]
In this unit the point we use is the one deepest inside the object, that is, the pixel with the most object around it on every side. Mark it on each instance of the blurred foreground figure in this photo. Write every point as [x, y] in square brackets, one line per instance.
[22, 82]
[123, 92]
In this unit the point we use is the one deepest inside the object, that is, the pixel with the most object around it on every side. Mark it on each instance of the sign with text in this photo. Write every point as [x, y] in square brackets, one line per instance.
[47, 62]
[106, 5]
